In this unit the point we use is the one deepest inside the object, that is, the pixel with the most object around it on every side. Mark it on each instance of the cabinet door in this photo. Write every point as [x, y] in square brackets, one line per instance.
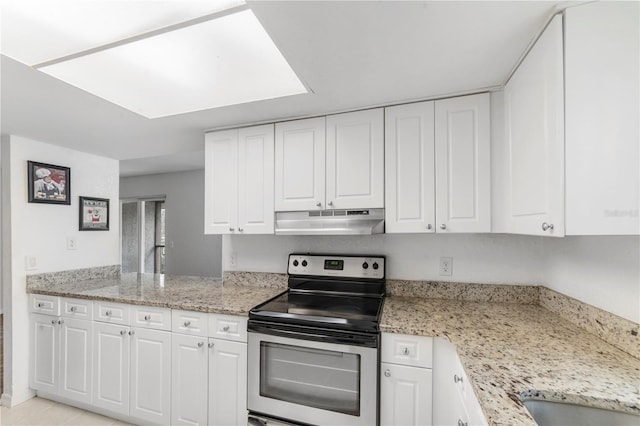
[76, 359]
[602, 60]
[189, 378]
[405, 395]
[355, 160]
[221, 182]
[227, 382]
[534, 117]
[111, 367]
[409, 168]
[463, 164]
[45, 338]
[300, 165]
[255, 180]
[151, 375]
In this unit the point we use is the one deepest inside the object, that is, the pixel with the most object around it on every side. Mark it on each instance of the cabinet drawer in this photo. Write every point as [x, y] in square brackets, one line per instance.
[114, 313]
[405, 349]
[44, 304]
[190, 322]
[77, 308]
[228, 327]
[150, 317]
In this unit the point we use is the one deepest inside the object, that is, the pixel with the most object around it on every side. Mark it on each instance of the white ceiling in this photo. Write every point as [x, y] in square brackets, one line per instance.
[350, 54]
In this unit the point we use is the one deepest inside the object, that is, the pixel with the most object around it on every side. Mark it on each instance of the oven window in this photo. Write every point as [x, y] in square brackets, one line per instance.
[316, 378]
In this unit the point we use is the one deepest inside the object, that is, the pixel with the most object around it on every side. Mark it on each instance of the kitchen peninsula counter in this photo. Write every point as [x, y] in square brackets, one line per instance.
[202, 294]
[509, 350]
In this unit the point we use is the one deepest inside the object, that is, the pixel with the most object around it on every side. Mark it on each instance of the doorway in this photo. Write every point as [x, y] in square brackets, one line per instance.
[143, 235]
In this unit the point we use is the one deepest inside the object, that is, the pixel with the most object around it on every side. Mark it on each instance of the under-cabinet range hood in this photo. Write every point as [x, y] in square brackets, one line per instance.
[331, 222]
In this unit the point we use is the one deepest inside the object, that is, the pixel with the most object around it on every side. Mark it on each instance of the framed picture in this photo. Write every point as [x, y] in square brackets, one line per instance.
[94, 214]
[48, 183]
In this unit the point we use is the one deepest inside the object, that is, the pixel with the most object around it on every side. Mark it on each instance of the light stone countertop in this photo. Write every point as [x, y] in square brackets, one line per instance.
[511, 349]
[507, 349]
[202, 294]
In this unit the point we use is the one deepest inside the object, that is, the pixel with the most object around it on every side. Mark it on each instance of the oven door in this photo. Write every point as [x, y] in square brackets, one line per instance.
[312, 382]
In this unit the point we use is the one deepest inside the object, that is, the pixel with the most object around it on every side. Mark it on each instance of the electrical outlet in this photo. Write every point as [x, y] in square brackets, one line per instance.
[446, 265]
[30, 263]
[233, 260]
[72, 244]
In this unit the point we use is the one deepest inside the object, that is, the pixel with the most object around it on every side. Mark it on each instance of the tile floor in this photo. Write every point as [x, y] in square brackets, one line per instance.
[38, 411]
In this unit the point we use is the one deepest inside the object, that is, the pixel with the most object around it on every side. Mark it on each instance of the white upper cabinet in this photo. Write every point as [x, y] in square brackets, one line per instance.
[534, 119]
[463, 164]
[300, 165]
[355, 160]
[239, 181]
[437, 166]
[602, 43]
[409, 168]
[255, 180]
[335, 162]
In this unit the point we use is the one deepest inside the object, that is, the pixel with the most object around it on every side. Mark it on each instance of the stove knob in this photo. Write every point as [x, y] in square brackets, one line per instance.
[365, 265]
[375, 265]
[304, 263]
[295, 263]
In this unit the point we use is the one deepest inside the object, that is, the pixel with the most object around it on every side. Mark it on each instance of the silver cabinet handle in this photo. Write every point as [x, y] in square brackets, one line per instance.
[232, 229]
[73, 309]
[429, 226]
[443, 226]
[225, 328]
[457, 379]
[123, 332]
[53, 322]
[547, 226]
[147, 317]
[387, 373]
[200, 344]
[61, 322]
[187, 323]
[40, 304]
[210, 345]
[108, 313]
[132, 332]
[405, 351]
[240, 229]
[330, 203]
[318, 204]
[461, 423]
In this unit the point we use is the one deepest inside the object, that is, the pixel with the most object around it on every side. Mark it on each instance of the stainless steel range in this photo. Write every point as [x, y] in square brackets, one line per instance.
[314, 349]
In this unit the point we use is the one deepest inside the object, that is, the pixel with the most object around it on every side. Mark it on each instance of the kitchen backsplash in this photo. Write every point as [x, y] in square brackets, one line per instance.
[523, 294]
[96, 273]
[617, 331]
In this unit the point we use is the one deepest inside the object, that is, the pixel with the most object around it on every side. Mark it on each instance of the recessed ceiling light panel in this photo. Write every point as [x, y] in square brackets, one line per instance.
[224, 61]
[36, 31]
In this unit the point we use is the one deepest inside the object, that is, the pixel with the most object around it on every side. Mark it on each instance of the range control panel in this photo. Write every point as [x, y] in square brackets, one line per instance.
[337, 266]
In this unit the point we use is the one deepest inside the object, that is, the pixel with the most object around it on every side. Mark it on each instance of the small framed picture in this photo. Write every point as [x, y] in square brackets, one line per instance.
[48, 184]
[94, 214]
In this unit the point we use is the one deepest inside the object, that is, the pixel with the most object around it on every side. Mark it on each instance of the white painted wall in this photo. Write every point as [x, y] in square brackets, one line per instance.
[484, 258]
[603, 271]
[600, 271]
[41, 230]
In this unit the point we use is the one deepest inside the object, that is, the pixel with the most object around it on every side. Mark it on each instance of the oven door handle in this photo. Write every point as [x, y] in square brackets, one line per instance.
[325, 336]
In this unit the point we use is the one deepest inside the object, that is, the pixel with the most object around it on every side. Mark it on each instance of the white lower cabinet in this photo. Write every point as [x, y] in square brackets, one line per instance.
[61, 355]
[227, 382]
[209, 380]
[454, 402]
[168, 369]
[405, 380]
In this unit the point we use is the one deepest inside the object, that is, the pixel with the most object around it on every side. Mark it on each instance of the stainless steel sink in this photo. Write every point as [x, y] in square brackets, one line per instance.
[550, 413]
